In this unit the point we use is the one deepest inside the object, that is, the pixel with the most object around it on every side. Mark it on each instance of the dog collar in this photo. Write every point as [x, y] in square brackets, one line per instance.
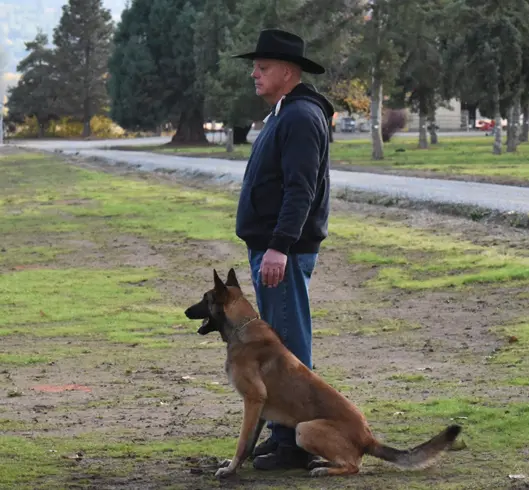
[240, 327]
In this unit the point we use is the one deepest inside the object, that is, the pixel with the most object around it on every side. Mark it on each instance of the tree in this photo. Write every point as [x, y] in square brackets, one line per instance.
[421, 72]
[37, 92]
[134, 85]
[156, 61]
[351, 95]
[83, 43]
[377, 58]
[486, 56]
[321, 24]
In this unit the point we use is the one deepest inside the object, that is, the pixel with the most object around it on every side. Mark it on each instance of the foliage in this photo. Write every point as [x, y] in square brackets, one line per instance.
[82, 41]
[352, 95]
[37, 92]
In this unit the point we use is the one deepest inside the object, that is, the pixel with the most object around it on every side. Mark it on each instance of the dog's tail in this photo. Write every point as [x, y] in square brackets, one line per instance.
[420, 456]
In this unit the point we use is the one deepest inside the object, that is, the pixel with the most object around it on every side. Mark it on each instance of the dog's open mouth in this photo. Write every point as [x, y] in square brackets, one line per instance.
[204, 322]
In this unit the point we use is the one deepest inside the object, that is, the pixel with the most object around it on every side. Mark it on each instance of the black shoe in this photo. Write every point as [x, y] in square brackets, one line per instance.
[266, 447]
[284, 458]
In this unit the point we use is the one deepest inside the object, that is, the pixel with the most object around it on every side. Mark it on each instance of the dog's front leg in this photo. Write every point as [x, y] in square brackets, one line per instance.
[252, 425]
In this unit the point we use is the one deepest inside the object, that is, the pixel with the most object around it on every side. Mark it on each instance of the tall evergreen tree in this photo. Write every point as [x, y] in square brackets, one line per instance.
[135, 87]
[83, 43]
[37, 92]
[155, 74]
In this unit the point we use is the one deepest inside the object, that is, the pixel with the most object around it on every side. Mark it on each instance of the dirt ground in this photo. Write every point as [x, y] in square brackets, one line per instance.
[185, 395]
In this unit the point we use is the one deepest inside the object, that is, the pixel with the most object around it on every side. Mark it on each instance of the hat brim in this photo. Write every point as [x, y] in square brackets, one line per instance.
[305, 64]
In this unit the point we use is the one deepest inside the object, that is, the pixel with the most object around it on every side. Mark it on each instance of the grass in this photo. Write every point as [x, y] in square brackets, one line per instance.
[26, 460]
[452, 156]
[69, 302]
[417, 259]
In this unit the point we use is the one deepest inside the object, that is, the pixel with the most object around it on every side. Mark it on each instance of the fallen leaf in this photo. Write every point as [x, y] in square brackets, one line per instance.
[76, 457]
[512, 339]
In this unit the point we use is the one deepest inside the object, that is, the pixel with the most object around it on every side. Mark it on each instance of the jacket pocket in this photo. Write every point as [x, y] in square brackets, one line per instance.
[267, 198]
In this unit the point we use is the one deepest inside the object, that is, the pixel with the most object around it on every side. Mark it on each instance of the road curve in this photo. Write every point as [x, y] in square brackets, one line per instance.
[488, 196]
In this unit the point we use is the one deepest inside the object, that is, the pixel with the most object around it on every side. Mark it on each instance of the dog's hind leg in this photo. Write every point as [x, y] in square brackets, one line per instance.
[325, 439]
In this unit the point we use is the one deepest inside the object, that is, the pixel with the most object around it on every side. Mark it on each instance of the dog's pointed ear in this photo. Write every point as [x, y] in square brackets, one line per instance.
[220, 288]
[232, 279]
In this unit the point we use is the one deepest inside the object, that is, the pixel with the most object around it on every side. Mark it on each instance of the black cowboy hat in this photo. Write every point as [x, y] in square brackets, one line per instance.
[281, 45]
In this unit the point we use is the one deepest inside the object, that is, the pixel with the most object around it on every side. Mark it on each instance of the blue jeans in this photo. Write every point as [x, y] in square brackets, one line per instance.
[286, 308]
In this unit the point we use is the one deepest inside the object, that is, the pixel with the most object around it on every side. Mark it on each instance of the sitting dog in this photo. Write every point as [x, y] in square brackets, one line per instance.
[276, 386]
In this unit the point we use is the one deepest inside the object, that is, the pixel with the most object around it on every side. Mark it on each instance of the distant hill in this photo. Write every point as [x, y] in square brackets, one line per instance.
[20, 19]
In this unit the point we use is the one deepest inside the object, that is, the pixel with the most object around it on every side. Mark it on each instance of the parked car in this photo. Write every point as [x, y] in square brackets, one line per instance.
[347, 125]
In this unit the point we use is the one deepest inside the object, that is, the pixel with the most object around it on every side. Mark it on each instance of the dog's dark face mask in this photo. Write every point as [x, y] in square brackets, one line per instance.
[211, 308]
[208, 311]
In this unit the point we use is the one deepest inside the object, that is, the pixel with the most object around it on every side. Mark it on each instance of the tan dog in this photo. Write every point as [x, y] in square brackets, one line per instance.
[276, 386]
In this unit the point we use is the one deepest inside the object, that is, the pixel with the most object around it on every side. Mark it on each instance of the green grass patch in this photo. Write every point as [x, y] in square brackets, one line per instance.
[27, 460]
[515, 349]
[417, 259]
[408, 378]
[457, 156]
[487, 426]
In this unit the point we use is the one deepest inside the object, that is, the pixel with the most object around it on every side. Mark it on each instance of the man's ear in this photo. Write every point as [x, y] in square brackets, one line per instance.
[232, 279]
[221, 291]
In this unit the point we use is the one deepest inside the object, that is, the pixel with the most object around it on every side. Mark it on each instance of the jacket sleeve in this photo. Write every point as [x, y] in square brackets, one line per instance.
[301, 139]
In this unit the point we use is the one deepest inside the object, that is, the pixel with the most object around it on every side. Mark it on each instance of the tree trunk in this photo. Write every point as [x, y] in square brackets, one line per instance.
[524, 135]
[432, 125]
[423, 131]
[331, 132]
[376, 119]
[497, 123]
[42, 130]
[513, 126]
[190, 130]
[240, 134]
[87, 116]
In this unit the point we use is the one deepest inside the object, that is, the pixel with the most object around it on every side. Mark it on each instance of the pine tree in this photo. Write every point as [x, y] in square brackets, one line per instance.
[83, 43]
[134, 85]
[156, 68]
[37, 92]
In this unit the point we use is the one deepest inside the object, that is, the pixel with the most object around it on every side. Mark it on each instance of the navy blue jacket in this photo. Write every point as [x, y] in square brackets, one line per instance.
[284, 200]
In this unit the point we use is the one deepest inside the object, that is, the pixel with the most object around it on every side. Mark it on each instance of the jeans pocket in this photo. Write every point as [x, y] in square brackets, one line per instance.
[307, 263]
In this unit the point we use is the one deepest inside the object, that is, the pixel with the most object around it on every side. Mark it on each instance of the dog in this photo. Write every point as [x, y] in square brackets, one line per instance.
[276, 386]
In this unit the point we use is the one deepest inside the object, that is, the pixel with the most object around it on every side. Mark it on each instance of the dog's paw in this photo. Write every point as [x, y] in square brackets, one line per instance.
[319, 472]
[318, 463]
[225, 463]
[224, 472]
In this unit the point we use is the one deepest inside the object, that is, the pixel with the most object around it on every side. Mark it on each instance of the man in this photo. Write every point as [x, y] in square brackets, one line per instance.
[284, 208]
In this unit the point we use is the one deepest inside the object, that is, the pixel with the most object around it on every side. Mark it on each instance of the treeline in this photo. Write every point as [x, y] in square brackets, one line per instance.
[168, 62]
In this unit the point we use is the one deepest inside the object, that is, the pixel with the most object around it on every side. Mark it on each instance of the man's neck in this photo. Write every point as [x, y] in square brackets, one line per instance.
[284, 92]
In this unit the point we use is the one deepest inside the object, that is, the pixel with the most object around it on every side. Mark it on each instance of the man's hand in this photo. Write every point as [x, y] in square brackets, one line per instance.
[273, 268]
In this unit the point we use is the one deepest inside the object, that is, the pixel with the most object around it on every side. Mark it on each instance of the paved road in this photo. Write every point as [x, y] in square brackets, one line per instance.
[217, 137]
[497, 197]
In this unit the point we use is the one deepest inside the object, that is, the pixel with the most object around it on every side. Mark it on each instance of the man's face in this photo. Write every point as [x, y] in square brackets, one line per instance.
[270, 78]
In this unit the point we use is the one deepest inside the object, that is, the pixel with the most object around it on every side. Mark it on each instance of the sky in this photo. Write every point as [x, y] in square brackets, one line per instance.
[19, 21]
